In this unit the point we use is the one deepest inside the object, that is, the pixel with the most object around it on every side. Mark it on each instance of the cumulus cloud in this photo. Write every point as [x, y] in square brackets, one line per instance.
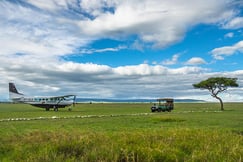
[91, 51]
[102, 81]
[60, 27]
[25, 29]
[171, 61]
[221, 52]
[93, 80]
[235, 23]
[229, 35]
[161, 23]
[196, 61]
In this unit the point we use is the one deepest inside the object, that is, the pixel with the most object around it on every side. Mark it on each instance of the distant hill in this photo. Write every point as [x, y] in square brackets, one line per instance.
[131, 100]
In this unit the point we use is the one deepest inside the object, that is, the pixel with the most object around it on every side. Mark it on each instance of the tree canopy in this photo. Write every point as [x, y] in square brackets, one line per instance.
[216, 85]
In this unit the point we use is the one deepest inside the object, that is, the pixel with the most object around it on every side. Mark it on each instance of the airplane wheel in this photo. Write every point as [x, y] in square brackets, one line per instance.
[47, 109]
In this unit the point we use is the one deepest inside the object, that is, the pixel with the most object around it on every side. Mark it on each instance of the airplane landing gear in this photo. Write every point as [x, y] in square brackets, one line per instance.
[55, 108]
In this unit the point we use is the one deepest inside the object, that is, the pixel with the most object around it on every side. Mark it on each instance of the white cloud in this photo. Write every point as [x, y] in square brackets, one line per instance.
[91, 51]
[72, 25]
[235, 23]
[221, 52]
[171, 61]
[52, 5]
[160, 23]
[229, 35]
[23, 69]
[27, 30]
[101, 81]
[140, 70]
[196, 61]
[97, 7]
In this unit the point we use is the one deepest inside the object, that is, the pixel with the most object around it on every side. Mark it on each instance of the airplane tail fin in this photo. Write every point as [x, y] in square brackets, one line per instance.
[14, 95]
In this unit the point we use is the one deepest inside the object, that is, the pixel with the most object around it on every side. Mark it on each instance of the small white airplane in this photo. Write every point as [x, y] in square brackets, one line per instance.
[42, 102]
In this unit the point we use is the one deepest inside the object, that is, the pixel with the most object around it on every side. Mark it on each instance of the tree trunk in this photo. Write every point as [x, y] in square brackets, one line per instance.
[221, 102]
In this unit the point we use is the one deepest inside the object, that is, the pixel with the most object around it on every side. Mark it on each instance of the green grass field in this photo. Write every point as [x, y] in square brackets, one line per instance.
[122, 132]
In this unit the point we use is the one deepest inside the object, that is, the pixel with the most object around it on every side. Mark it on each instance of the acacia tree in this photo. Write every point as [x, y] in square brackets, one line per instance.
[216, 85]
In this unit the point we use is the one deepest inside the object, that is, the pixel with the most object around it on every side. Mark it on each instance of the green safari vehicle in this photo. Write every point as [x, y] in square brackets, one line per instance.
[164, 104]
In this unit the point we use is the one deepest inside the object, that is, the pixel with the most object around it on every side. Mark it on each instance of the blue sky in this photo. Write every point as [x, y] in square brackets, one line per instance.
[120, 48]
[197, 42]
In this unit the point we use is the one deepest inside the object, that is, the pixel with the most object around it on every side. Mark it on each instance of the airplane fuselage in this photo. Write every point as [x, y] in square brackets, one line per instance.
[48, 103]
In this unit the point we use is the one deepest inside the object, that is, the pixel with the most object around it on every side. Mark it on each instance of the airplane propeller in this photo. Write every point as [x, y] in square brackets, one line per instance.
[74, 98]
[73, 104]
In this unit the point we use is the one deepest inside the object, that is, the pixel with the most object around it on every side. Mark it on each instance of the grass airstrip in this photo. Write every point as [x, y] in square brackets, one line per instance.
[122, 132]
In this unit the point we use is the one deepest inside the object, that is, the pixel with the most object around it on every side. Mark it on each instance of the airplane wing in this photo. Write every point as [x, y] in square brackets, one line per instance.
[65, 96]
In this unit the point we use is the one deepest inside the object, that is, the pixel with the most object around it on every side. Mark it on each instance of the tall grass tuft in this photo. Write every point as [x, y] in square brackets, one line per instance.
[164, 145]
